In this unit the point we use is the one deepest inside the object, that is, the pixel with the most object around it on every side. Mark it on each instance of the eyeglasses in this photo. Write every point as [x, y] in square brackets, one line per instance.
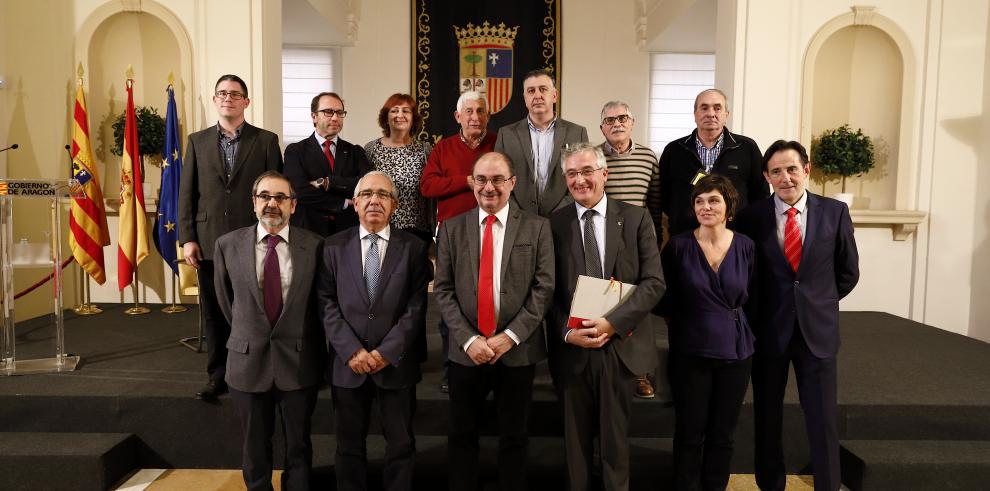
[586, 172]
[482, 181]
[330, 112]
[222, 94]
[610, 120]
[381, 193]
[279, 198]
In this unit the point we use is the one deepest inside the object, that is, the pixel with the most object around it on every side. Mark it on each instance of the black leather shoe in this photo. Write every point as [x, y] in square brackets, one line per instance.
[212, 390]
[444, 387]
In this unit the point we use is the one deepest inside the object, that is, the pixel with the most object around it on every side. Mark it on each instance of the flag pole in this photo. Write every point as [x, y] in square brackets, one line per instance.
[174, 308]
[137, 309]
[86, 307]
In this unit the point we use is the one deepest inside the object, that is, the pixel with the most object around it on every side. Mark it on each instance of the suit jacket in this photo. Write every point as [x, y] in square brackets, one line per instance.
[526, 286]
[808, 299]
[394, 325]
[514, 141]
[209, 204]
[305, 162]
[628, 229]
[289, 356]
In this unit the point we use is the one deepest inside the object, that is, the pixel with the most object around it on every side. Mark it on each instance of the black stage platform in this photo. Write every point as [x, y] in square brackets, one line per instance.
[914, 411]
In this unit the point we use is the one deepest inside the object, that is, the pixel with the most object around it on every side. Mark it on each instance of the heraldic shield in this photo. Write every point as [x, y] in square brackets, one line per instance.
[485, 54]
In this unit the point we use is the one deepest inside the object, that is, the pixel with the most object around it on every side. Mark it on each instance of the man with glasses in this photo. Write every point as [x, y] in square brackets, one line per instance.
[708, 149]
[533, 146]
[372, 299]
[495, 273]
[264, 275]
[325, 168]
[597, 359]
[633, 177]
[220, 166]
[445, 177]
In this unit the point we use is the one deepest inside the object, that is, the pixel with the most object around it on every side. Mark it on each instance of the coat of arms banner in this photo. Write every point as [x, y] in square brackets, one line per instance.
[485, 45]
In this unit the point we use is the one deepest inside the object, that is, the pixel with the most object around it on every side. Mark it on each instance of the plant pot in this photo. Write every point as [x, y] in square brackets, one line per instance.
[846, 198]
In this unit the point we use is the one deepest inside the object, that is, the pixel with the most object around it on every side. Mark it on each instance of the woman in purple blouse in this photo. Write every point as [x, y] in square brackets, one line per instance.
[708, 274]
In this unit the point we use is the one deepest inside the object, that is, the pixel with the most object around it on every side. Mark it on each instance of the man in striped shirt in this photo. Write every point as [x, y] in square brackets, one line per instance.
[633, 177]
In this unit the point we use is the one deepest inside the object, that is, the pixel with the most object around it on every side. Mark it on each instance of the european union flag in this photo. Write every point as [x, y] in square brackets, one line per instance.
[166, 229]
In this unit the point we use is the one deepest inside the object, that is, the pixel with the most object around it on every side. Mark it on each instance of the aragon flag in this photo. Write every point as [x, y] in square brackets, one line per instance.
[166, 231]
[132, 243]
[88, 216]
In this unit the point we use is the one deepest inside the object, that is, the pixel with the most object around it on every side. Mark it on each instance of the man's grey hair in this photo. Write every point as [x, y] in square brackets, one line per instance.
[360, 186]
[614, 104]
[719, 92]
[572, 149]
[471, 95]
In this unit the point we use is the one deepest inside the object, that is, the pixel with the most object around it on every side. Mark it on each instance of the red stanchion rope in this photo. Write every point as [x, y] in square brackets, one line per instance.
[42, 281]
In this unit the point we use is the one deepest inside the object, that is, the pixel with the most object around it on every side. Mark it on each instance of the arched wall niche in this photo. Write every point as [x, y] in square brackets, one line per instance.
[151, 38]
[860, 69]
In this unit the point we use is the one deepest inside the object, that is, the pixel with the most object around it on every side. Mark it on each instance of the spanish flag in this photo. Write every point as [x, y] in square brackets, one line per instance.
[88, 216]
[132, 245]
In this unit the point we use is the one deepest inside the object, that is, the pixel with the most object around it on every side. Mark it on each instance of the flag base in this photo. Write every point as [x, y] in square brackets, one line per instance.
[87, 309]
[174, 309]
[137, 310]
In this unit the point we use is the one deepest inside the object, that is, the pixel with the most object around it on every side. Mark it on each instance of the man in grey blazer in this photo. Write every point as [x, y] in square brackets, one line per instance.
[495, 274]
[221, 163]
[372, 297]
[276, 351]
[533, 144]
[597, 359]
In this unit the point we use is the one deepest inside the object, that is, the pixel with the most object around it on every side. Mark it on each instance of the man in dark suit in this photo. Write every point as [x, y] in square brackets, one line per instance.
[325, 168]
[806, 262]
[598, 359]
[221, 163]
[276, 350]
[495, 274]
[533, 144]
[372, 292]
[710, 148]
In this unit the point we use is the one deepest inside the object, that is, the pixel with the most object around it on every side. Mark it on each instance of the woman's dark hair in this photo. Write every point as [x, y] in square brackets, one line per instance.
[395, 100]
[722, 184]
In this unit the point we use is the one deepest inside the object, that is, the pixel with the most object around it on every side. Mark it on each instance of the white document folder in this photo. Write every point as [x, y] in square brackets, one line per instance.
[596, 297]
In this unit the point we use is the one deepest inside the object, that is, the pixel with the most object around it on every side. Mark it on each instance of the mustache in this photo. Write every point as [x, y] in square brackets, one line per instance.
[272, 210]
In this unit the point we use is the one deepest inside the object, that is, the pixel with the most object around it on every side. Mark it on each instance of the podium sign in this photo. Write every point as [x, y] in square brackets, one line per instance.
[12, 190]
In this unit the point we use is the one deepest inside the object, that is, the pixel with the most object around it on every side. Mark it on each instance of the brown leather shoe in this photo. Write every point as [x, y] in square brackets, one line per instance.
[644, 389]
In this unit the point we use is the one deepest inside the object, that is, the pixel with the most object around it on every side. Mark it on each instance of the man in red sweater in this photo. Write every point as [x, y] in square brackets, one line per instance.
[445, 177]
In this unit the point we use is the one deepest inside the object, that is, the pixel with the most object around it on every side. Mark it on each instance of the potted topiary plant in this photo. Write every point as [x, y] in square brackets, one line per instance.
[845, 153]
[151, 134]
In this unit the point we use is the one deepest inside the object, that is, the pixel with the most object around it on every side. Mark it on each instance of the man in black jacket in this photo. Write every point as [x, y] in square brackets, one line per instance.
[709, 149]
[324, 168]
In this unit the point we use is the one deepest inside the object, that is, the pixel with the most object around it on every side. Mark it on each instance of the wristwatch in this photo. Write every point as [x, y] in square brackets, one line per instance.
[323, 182]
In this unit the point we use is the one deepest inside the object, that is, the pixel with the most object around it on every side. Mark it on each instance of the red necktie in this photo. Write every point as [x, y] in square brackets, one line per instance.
[792, 239]
[328, 153]
[486, 299]
[272, 282]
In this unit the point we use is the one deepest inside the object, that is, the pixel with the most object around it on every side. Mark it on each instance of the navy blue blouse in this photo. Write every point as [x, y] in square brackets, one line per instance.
[706, 308]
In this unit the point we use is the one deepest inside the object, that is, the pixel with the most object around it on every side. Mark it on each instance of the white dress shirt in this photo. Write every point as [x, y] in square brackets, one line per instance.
[781, 208]
[599, 223]
[542, 141]
[333, 143]
[498, 237]
[284, 258]
[383, 237]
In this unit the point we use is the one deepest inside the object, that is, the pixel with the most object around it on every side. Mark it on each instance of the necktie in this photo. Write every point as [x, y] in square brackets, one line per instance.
[486, 275]
[372, 267]
[792, 239]
[326, 151]
[272, 282]
[592, 258]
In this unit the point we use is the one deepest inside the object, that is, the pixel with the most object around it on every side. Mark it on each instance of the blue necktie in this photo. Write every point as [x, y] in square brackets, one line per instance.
[372, 267]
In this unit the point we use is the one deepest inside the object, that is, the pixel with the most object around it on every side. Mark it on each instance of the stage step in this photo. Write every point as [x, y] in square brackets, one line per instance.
[69, 461]
[918, 465]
